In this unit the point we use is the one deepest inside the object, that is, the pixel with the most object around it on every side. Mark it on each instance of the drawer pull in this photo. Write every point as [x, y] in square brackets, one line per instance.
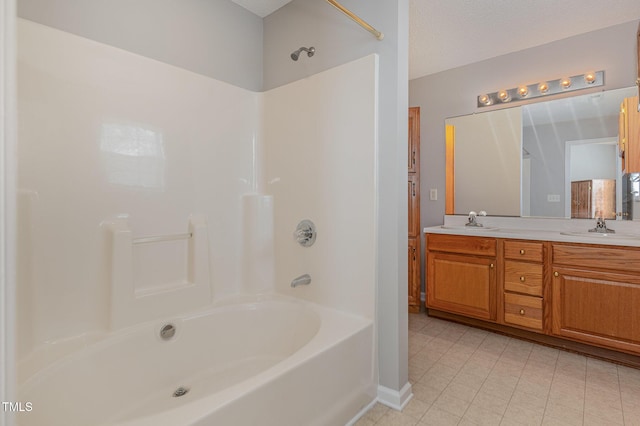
[521, 311]
[491, 266]
[555, 274]
[521, 279]
[521, 251]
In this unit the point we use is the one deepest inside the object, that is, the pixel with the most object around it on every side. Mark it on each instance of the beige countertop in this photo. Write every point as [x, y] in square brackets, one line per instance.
[542, 229]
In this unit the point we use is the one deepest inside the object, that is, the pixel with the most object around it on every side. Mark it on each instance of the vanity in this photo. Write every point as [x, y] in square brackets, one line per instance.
[545, 280]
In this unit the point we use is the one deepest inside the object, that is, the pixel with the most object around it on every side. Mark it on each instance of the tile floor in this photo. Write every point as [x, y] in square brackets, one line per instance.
[465, 376]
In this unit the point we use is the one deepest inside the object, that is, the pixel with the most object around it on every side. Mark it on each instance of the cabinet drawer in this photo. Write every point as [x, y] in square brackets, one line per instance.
[625, 259]
[523, 310]
[523, 250]
[523, 277]
[461, 244]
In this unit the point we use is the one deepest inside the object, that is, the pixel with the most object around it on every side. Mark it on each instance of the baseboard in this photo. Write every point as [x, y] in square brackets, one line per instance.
[361, 413]
[393, 398]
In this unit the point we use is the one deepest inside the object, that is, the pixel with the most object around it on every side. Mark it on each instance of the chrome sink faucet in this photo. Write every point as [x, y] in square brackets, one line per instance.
[473, 221]
[601, 227]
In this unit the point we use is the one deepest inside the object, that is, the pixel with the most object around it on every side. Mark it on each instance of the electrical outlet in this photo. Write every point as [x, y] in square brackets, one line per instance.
[433, 194]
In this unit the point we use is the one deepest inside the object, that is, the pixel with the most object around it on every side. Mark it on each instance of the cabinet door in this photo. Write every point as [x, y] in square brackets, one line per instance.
[600, 308]
[413, 157]
[413, 195]
[414, 274]
[462, 284]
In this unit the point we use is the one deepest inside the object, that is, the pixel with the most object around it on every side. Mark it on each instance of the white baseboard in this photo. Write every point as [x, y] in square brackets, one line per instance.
[393, 398]
[362, 413]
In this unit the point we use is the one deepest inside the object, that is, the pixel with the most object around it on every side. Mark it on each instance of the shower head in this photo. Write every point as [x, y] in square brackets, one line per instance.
[310, 51]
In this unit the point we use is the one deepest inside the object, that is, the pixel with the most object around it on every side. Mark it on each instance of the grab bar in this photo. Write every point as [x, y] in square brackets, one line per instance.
[159, 238]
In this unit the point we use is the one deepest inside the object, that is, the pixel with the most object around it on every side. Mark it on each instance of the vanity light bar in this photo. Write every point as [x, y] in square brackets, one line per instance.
[545, 88]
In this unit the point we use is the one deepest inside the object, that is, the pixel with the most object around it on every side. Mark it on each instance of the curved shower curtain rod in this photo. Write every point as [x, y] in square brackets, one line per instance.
[354, 17]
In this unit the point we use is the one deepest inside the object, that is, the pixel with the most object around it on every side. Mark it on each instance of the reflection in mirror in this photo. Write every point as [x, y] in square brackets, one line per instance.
[566, 162]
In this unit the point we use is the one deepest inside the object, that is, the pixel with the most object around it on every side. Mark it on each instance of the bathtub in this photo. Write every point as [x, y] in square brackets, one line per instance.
[261, 361]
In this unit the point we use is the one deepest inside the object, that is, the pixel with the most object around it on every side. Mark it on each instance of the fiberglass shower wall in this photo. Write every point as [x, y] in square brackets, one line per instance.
[106, 135]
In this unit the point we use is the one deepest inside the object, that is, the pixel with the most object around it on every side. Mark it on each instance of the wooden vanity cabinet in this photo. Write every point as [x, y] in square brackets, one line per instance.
[596, 295]
[461, 275]
[523, 283]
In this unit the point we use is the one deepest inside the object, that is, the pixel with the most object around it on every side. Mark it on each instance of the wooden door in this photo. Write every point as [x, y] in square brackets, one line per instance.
[413, 198]
[413, 157]
[413, 195]
[414, 274]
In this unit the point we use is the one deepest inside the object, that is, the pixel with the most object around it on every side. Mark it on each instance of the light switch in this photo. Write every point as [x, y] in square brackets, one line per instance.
[433, 194]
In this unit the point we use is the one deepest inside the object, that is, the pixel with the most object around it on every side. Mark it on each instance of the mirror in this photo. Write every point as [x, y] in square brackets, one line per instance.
[549, 159]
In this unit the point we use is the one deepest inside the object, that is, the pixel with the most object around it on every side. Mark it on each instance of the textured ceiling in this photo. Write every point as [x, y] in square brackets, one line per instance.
[445, 34]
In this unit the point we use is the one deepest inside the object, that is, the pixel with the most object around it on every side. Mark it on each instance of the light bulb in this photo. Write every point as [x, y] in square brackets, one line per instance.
[590, 77]
[503, 95]
[484, 99]
[523, 91]
[565, 83]
[543, 88]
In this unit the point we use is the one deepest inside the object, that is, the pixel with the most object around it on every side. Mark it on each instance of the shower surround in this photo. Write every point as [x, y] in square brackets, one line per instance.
[115, 147]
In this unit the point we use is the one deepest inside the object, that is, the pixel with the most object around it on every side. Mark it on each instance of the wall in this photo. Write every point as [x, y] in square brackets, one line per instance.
[337, 40]
[8, 117]
[215, 38]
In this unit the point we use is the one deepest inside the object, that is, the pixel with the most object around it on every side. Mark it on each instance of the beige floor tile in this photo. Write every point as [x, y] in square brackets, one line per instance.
[491, 403]
[396, 418]
[363, 421]
[416, 408]
[608, 417]
[376, 412]
[466, 379]
[426, 394]
[438, 417]
[464, 376]
[435, 382]
[522, 415]
[451, 404]
[459, 391]
[527, 400]
[482, 416]
[567, 414]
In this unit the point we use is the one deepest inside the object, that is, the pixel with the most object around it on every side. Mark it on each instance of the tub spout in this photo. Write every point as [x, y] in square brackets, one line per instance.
[301, 280]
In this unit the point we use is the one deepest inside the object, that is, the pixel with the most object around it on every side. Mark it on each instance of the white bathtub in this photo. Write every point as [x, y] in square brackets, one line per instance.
[274, 361]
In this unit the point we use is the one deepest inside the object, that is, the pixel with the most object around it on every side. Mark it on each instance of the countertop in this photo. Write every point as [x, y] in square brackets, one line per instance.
[542, 229]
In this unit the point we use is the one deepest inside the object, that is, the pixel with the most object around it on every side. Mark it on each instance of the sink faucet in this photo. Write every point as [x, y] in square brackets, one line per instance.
[601, 227]
[473, 218]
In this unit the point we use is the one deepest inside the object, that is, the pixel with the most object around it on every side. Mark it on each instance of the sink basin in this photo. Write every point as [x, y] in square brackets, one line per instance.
[469, 228]
[601, 235]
